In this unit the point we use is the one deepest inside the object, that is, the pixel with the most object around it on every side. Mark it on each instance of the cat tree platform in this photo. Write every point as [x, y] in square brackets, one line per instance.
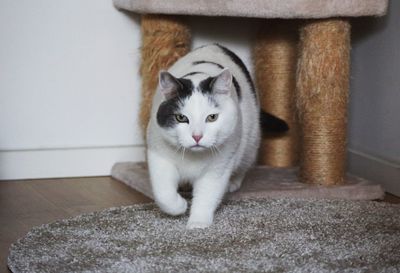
[263, 182]
[258, 8]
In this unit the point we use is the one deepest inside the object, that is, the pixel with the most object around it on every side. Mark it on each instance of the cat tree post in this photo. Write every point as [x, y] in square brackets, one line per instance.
[275, 60]
[322, 86]
[164, 40]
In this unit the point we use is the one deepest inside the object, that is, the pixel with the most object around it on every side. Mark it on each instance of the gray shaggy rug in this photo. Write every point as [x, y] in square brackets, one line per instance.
[247, 236]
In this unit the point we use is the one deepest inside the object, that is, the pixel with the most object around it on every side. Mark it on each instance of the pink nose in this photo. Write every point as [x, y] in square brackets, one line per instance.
[197, 138]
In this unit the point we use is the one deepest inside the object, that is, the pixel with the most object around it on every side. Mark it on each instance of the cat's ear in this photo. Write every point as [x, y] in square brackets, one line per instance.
[168, 84]
[223, 82]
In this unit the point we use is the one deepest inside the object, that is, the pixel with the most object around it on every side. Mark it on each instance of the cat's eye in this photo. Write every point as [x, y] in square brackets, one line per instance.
[212, 117]
[181, 118]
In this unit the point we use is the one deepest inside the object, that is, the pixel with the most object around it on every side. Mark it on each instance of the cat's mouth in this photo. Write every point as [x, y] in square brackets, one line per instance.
[197, 148]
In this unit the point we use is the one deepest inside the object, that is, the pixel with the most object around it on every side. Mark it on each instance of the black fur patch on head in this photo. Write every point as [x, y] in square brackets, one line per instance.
[186, 88]
[207, 85]
[169, 108]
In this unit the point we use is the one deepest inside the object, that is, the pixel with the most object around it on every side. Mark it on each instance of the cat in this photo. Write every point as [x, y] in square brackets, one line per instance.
[204, 129]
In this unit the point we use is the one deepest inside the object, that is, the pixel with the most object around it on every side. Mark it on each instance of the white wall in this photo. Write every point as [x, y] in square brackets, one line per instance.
[374, 127]
[69, 85]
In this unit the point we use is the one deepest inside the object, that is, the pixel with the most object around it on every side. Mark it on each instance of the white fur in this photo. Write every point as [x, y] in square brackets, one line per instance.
[231, 142]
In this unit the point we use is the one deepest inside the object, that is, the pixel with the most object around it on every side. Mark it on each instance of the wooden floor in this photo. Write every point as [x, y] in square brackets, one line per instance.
[24, 204]
[28, 203]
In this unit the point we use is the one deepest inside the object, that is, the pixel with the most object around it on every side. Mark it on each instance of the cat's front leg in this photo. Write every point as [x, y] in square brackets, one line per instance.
[164, 179]
[208, 193]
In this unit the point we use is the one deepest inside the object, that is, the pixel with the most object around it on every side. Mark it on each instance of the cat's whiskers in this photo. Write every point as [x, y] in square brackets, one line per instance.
[178, 149]
[214, 150]
[183, 153]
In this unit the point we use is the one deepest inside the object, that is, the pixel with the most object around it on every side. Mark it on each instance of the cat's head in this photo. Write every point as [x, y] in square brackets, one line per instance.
[197, 115]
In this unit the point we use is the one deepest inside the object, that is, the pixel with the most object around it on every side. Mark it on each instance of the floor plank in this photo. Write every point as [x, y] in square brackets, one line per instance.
[28, 203]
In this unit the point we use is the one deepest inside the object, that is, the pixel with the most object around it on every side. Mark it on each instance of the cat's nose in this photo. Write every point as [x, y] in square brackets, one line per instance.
[197, 138]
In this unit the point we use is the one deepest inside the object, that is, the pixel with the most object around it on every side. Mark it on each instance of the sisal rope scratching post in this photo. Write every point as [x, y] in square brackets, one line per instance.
[275, 59]
[322, 86]
[164, 40]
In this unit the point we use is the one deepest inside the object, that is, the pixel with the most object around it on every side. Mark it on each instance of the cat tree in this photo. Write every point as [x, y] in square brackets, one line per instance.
[302, 75]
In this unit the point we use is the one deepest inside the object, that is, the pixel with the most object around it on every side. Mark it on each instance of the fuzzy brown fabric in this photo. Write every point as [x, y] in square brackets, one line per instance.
[322, 86]
[247, 236]
[275, 60]
[164, 40]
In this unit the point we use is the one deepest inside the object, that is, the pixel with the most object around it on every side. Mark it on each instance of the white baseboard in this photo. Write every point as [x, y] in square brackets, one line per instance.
[65, 162]
[375, 169]
[97, 161]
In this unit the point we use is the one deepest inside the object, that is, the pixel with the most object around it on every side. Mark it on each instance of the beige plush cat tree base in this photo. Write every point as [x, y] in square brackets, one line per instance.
[263, 182]
[301, 73]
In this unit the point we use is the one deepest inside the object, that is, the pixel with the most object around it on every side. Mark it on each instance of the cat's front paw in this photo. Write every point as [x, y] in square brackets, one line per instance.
[175, 208]
[198, 224]
[199, 221]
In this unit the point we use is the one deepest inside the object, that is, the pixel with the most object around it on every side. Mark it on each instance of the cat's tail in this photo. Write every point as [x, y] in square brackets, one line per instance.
[272, 124]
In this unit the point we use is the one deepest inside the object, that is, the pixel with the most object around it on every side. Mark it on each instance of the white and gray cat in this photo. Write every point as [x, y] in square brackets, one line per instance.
[204, 129]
